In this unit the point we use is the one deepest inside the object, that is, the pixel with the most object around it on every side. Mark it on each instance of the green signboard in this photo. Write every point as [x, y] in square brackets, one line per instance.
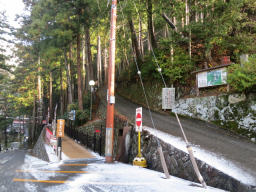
[214, 78]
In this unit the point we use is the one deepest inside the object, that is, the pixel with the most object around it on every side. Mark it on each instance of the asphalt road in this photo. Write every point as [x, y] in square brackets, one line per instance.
[20, 172]
[205, 135]
[9, 163]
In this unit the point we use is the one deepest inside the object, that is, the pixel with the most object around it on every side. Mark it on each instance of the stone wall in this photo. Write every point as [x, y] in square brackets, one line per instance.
[236, 112]
[179, 164]
[39, 148]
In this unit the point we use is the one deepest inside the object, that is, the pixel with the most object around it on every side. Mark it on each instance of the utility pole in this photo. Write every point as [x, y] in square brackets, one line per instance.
[111, 87]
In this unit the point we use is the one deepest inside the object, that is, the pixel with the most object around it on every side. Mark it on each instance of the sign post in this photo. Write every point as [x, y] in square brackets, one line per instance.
[139, 160]
[60, 134]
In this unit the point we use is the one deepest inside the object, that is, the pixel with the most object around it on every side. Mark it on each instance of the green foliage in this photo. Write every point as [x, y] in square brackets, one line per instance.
[4, 122]
[86, 101]
[242, 78]
[148, 69]
[73, 106]
[177, 70]
[82, 116]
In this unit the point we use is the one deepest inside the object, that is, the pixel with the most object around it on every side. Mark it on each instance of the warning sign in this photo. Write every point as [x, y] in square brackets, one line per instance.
[138, 119]
[60, 127]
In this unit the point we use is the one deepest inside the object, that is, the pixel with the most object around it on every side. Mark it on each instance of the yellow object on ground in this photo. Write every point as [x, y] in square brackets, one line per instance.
[140, 161]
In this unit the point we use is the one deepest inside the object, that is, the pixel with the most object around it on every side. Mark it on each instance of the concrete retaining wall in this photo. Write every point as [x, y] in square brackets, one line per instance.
[179, 164]
[235, 112]
[39, 149]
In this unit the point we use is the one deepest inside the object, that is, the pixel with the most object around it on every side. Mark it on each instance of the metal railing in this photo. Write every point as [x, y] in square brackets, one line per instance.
[91, 136]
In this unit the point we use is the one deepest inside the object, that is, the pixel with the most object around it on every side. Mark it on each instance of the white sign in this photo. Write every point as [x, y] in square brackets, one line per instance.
[72, 115]
[202, 79]
[138, 123]
[212, 78]
[168, 98]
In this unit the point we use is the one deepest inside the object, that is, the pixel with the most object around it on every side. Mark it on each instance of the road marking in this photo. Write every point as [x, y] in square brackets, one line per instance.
[48, 171]
[74, 165]
[118, 184]
[88, 183]
[38, 181]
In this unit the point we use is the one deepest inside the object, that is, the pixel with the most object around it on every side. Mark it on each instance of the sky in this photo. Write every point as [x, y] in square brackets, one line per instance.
[11, 8]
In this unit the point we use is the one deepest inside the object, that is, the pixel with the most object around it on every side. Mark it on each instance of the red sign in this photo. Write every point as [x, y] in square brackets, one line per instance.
[97, 131]
[225, 60]
[48, 135]
[138, 119]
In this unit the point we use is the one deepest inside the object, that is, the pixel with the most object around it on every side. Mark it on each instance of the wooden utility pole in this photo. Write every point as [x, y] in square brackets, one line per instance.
[111, 87]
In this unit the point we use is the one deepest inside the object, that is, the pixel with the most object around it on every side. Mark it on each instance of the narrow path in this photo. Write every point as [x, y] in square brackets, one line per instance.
[74, 150]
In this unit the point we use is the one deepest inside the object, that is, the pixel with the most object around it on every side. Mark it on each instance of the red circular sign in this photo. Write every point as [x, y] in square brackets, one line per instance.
[138, 119]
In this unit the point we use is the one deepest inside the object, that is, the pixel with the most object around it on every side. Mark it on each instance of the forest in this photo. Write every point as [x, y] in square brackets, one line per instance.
[63, 44]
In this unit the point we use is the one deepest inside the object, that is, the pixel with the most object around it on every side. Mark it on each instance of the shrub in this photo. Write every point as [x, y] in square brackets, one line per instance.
[82, 116]
[242, 78]
[73, 106]
[179, 69]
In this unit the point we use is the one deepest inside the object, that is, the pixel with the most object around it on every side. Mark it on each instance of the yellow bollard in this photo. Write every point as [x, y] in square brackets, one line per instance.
[139, 160]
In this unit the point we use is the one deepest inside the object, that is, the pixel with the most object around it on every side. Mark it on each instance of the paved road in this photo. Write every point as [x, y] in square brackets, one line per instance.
[30, 174]
[9, 163]
[20, 172]
[208, 136]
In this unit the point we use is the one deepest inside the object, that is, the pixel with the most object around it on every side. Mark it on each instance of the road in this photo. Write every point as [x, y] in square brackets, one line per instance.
[9, 162]
[206, 135]
[21, 172]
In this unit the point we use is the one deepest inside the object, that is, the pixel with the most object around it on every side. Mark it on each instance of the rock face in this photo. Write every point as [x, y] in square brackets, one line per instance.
[235, 112]
[179, 164]
[39, 148]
